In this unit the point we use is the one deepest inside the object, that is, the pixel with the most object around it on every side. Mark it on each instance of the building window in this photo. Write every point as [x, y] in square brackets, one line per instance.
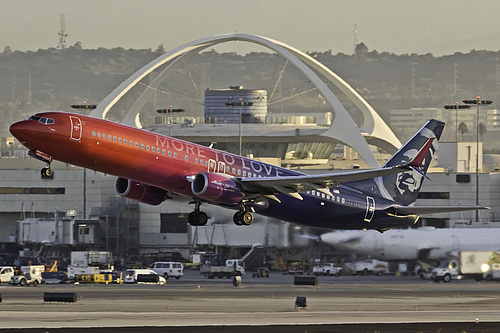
[173, 223]
[32, 190]
[463, 178]
[434, 195]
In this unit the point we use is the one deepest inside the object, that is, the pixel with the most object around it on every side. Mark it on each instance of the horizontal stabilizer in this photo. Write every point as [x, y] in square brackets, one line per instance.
[435, 209]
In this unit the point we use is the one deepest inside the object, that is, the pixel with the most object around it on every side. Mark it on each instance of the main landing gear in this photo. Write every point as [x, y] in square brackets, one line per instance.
[243, 218]
[197, 218]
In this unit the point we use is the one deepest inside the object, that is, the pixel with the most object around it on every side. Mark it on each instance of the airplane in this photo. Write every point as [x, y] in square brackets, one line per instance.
[151, 167]
[425, 244]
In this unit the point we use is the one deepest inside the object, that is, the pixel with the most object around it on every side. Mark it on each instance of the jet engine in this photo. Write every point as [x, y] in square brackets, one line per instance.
[217, 188]
[144, 193]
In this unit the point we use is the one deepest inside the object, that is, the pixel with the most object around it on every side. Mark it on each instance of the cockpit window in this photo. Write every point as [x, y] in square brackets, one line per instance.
[43, 120]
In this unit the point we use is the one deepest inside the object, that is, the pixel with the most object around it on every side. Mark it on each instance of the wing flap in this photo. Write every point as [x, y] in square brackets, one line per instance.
[292, 185]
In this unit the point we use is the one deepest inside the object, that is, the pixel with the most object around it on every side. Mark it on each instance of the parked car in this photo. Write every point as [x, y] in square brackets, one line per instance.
[6, 273]
[326, 269]
[146, 275]
[168, 269]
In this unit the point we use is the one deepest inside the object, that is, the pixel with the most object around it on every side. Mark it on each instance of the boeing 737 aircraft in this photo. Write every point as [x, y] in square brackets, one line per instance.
[414, 244]
[151, 166]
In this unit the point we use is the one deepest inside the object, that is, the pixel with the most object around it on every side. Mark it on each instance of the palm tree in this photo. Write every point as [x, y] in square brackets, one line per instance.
[482, 130]
[462, 128]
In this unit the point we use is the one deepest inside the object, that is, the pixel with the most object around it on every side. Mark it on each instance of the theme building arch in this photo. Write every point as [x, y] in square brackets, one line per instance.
[343, 129]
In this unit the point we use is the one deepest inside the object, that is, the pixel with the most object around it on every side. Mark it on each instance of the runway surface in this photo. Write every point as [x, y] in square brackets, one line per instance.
[197, 304]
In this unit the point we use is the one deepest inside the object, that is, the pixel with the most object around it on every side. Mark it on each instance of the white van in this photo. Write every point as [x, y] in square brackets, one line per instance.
[168, 269]
[131, 275]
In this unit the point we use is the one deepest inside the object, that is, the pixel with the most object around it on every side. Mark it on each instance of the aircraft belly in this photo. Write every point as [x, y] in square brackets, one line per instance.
[330, 215]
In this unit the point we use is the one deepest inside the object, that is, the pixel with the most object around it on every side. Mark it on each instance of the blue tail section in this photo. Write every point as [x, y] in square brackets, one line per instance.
[404, 187]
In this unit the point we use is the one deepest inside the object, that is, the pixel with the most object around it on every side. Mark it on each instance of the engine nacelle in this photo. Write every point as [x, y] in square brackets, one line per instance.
[144, 193]
[217, 188]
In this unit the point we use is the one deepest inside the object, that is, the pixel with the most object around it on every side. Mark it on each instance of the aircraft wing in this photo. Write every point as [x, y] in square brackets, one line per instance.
[292, 185]
[435, 209]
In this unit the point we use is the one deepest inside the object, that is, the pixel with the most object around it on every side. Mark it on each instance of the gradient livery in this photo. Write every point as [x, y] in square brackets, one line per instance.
[151, 167]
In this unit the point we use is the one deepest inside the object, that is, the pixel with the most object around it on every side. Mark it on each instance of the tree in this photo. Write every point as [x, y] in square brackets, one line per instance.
[160, 49]
[462, 128]
[482, 130]
[7, 50]
[361, 50]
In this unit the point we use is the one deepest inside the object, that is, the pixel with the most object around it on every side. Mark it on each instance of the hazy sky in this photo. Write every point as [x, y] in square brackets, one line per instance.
[399, 26]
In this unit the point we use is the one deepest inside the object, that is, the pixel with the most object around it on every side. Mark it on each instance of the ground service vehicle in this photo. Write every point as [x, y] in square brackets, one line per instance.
[326, 269]
[132, 276]
[232, 268]
[371, 266]
[472, 264]
[261, 273]
[168, 269]
[6, 273]
[30, 275]
[491, 268]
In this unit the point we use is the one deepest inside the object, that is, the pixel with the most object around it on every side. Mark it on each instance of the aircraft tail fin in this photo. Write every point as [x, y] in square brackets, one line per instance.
[417, 153]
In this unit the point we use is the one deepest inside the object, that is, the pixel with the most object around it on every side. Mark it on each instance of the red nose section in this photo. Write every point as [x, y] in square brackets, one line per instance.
[21, 130]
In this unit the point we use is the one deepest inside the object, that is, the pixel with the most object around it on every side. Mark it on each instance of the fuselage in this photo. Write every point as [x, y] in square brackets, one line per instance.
[412, 244]
[170, 164]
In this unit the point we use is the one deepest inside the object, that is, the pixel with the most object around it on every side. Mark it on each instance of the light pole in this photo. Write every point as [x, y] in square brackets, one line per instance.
[170, 110]
[240, 103]
[478, 101]
[456, 107]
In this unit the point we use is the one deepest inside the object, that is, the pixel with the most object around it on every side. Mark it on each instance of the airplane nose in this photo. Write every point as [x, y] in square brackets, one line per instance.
[20, 130]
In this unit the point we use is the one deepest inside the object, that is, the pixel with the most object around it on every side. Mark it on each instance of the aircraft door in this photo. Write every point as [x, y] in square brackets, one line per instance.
[212, 166]
[222, 167]
[76, 128]
[370, 209]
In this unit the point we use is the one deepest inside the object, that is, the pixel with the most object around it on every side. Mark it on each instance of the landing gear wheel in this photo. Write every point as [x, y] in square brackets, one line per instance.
[198, 218]
[237, 218]
[47, 173]
[247, 218]
[243, 218]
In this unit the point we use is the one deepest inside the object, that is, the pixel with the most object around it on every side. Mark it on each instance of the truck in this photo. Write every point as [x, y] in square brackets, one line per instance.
[469, 264]
[233, 267]
[326, 269]
[6, 273]
[29, 275]
[90, 262]
[491, 268]
[371, 266]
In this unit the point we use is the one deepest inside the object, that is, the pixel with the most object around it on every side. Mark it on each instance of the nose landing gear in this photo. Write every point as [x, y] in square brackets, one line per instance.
[47, 172]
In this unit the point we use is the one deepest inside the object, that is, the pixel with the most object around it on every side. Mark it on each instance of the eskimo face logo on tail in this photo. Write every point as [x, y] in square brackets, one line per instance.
[404, 187]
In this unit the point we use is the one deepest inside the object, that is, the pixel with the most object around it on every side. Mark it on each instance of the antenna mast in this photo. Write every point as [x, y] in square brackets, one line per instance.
[62, 34]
